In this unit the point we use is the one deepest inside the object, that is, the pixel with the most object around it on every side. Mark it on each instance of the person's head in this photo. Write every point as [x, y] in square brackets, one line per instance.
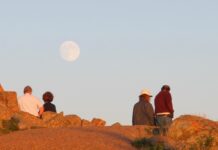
[48, 97]
[28, 90]
[145, 95]
[165, 88]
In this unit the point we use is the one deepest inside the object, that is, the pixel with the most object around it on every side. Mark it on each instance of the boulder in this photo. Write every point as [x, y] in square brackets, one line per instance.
[9, 100]
[98, 122]
[86, 123]
[74, 120]
[57, 121]
[166, 142]
[154, 142]
[25, 120]
[117, 124]
[1, 88]
[48, 115]
[194, 132]
[8, 104]
[5, 113]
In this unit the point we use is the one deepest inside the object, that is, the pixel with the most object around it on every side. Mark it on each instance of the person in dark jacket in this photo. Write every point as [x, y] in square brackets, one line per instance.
[164, 109]
[143, 112]
[48, 98]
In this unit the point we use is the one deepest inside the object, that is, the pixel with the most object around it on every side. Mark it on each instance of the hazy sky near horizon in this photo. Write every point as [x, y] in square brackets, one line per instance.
[125, 46]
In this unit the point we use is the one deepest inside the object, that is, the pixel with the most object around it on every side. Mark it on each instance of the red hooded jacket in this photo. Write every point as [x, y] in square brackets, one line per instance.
[163, 102]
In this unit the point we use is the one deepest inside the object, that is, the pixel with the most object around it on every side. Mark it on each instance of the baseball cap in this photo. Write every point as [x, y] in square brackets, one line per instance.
[146, 92]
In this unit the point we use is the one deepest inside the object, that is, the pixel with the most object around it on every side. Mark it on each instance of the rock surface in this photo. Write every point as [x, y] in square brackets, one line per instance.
[117, 124]
[194, 132]
[57, 121]
[27, 121]
[98, 122]
[86, 123]
[186, 132]
[9, 100]
[77, 138]
[5, 113]
[46, 116]
[1, 88]
[74, 120]
[8, 105]
[165, 141]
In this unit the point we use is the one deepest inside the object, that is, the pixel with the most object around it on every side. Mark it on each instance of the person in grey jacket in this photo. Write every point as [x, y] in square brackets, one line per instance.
[143, 112]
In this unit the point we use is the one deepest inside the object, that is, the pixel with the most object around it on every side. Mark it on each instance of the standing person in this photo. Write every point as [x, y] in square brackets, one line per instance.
[29, 103]
[143, 112]
[164, 109]
[48, 98]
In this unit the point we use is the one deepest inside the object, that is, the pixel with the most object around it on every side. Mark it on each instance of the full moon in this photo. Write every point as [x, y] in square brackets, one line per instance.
[70, 51]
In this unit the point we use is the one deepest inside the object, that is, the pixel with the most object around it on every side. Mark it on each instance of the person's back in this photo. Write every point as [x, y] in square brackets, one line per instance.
[29, 103]
[143, 113]
[163, 103]
[49, 107]
[48, 98]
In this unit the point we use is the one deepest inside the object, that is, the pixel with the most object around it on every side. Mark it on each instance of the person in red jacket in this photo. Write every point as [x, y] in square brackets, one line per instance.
[164, 109]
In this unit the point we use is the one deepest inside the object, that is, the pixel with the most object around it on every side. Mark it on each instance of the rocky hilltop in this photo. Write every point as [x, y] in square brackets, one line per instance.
[20, 130]
[11, 115]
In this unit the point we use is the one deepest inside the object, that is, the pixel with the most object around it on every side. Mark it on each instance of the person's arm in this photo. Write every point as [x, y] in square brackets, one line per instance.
[41, 110]
[55, 108]
[133, 116]
[40, 107]
[169, 104]
[150, 113]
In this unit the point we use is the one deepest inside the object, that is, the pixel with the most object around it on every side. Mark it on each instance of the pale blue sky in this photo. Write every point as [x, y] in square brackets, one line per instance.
[125, 46]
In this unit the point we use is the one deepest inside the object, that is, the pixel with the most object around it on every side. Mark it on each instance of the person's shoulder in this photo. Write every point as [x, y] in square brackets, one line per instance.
[148, 104]
[48, 104]
[163, 93]
[35, 98]
[158, 94]
[20, 97]
[52, 104]
[20, 100]
[167, 93]
[136, 104]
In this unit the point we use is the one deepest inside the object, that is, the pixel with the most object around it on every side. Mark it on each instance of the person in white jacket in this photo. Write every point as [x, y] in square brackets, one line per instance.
[30, 104]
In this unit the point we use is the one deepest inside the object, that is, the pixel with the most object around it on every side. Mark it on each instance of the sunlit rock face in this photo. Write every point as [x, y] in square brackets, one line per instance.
[8, 104]
[193, 132]
[1, 88]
